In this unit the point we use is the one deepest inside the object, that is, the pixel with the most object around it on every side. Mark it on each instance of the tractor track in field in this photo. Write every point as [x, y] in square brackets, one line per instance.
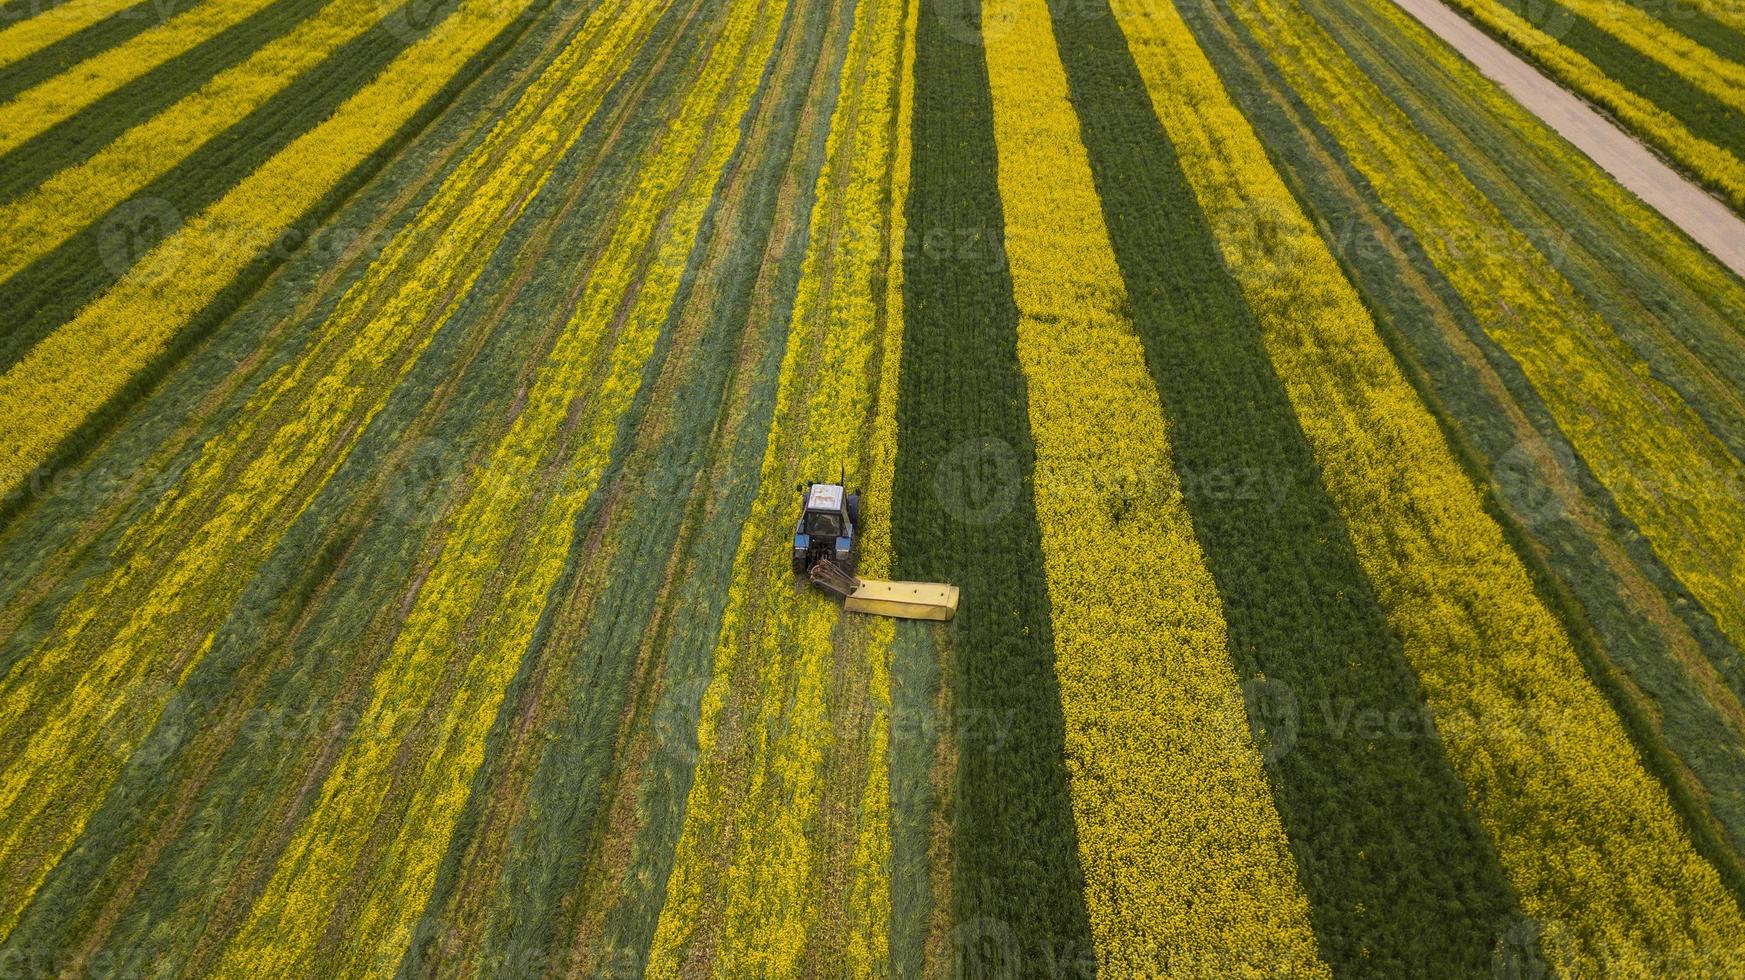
[307, 485]
[433, 407]
[424, 609]
[649, 438]
[506, 801]
[556, 451]
[284, 409]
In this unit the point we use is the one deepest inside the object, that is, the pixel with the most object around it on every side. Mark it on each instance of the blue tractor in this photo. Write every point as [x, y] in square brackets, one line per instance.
[827, 528]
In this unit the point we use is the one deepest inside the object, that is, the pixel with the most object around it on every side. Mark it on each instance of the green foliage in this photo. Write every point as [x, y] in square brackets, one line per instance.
[1622, 604]
[963, 514]
[54, 288]
[1400, 877]
[50, 60]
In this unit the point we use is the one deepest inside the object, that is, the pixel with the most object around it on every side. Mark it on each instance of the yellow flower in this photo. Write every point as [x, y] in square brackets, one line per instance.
[38, 109]
[1140, 651]
[764, 789]
[119, 639]
[508, 545]
[1585, 833]
[48, 215]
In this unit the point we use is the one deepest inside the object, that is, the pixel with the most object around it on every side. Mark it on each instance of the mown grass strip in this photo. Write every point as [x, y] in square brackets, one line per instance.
[71, 136]
[746, 888]
[912, 682]
[411, 286]
[77, 197]
[215, 533]
[472, 614]
[962, 513]
[59, 98]
[49, 540]
[620, 934]
[473, 890]
[533, 877]
[484, 880]
[385, 499]
[651, 802]
[50, 60]
[1399, 874]
[74, 372]
[1596, 850]
[875, 861]
[1186, 864]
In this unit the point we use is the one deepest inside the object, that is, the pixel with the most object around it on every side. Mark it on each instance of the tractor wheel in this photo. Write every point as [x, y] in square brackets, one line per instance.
[854, 510]
[800, 565]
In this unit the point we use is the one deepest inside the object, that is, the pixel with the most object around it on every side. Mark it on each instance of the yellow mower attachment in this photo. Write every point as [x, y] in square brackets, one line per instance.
[898, 600]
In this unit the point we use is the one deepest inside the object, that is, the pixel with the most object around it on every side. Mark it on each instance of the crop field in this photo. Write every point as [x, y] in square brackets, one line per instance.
[1670, 71]
[402, 408]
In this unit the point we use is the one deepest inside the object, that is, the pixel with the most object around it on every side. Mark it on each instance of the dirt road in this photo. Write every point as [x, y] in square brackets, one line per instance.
[1683, 203]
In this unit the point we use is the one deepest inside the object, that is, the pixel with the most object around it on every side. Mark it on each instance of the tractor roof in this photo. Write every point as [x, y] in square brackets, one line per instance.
[825, 496]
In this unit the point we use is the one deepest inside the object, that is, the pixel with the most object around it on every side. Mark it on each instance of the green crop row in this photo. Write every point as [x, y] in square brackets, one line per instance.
[963, 513]
[1617, 57]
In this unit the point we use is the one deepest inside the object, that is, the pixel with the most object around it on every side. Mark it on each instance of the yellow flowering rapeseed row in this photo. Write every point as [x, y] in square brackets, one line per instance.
[1667, 472]
[38, 109]
[831, 375]
[869, 890]
[1715, 166]
[281, 448]
[477, 611]
[1184, 855]
[1727, 12]
[876, 558]
[1636, 28]
[71, 373]
[1585, 833]
[32, 34]
[1647, 226]
[74, 198]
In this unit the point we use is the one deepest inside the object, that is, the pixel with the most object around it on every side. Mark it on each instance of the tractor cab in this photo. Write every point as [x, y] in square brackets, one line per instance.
[829, 522]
